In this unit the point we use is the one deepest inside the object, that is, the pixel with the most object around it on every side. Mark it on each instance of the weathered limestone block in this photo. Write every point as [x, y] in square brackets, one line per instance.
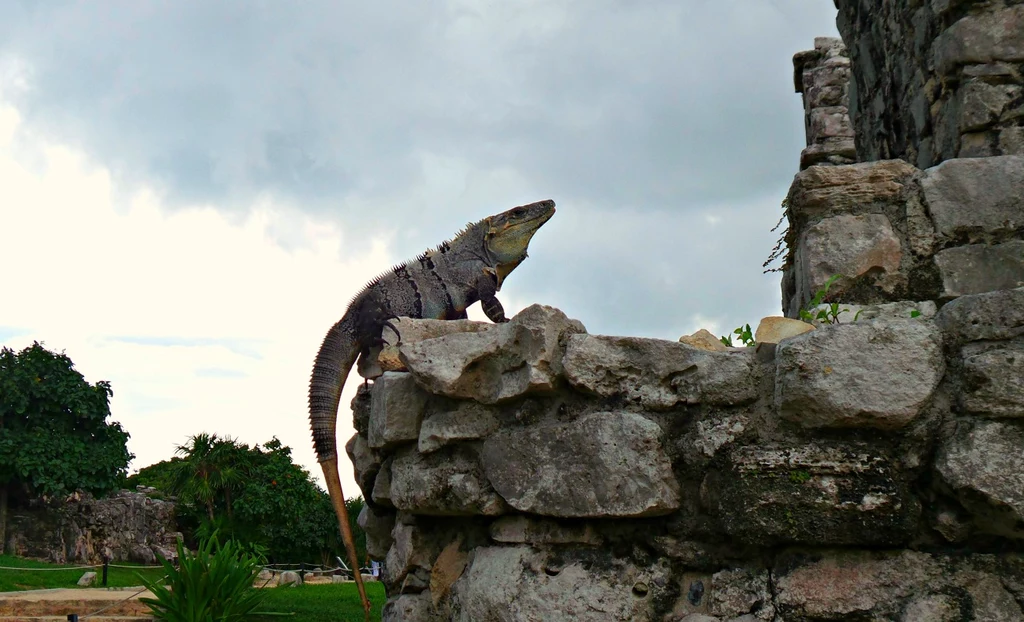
[896, 585]
[980, 268]
[850, 245]
[410, 608]
[814, 494]
[396, 410]
[411, 549]
[658, 374]
[741, 592]
[712, 434]
[993, 383]
[521, 529]
[289, 577]
[365, 462]
[851, 189]
[984, 464]
[704, 340]
[988, 316]
[775, 329]
[840, 585]
[519, 583]
[599, 465]
[983, 37]
[982, 103]
[415, 330]
[87, 579]
[970, 198]
[378, 526]
[1011, 141]
[442, 483]
[381, 493]
[469, 421]
[875, 374]
[510, 360]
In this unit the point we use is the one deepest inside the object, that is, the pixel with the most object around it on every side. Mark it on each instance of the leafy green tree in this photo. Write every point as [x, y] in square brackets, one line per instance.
[206, 472]
[275, 505]
[54, 433]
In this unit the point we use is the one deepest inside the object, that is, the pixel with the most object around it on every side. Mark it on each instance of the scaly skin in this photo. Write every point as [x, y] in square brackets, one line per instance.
[440, 284]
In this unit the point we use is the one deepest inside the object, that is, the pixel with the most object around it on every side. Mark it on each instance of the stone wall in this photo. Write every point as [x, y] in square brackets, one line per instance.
[867, 470]
[870, 470]
[898, 233]
[935, 80]
[127, 526]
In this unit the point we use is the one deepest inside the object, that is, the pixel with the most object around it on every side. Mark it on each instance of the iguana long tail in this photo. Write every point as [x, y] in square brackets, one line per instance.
[333, 362]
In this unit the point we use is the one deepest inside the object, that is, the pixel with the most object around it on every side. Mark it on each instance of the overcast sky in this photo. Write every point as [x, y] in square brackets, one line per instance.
[191, 192]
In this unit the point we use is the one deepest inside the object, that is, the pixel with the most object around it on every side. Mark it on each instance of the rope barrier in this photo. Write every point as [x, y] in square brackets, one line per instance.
[77, 567]
[50, 569]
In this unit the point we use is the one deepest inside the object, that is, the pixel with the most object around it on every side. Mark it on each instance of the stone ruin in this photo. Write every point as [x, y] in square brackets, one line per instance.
[126, 526]
[867, 470]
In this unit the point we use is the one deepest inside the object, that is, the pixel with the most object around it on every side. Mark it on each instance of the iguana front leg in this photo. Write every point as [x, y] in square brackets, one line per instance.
[486, 288]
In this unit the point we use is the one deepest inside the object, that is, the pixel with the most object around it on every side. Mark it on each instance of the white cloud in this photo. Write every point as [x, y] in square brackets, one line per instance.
[199, 322]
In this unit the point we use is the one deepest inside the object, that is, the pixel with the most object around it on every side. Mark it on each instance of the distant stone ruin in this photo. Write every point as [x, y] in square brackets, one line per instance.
[126, 526]
[866, 470]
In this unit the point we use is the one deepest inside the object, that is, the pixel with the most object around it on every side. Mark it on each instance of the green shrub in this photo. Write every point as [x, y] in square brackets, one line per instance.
[212, 584]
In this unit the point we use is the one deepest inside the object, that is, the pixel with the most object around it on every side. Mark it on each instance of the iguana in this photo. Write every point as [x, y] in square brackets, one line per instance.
[440, 284]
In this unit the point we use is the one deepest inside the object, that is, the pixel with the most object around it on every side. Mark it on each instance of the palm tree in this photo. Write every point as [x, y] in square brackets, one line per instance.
[206, 471]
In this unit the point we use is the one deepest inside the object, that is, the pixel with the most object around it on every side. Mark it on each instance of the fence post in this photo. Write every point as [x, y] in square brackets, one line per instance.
[106, 564]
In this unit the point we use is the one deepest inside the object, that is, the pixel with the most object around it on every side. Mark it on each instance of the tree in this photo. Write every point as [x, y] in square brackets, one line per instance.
[275, 506]
[54, 433]
[207, 471]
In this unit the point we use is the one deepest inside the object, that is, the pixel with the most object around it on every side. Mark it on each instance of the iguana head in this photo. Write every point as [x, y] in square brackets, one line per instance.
[509, 233]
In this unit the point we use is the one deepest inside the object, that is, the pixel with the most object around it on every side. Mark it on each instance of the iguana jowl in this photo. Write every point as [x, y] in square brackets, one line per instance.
[440, 284]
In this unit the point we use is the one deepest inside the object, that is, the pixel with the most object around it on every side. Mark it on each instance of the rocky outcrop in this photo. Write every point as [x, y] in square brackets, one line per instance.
[866, 470]
[126, 526]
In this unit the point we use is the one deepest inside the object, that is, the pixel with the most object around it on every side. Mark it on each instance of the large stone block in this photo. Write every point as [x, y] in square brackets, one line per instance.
[853, 188]
[980, 268]
[813, 494]
[982, 104]
[852, 246]
[450, 485]
[988, 316]
[599, 465]
[852, 585]
[982, 37]
[396, 410]
[658, 374]
[469, 421]
[970, 198]
[365, 461]
[504, 584]
[984, 464]
[521, 356]
[414, 330]
[410, 608]
[875, 374]
[377, 525]
[993, 382]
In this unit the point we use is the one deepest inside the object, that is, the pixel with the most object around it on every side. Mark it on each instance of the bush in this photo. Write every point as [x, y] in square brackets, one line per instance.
[214, 583]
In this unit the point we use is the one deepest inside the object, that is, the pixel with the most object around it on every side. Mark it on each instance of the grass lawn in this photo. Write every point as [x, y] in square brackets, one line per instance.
[27, 579]
[330, 602]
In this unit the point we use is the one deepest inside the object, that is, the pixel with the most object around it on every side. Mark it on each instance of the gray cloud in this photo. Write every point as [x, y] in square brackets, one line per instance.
[639, 119]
